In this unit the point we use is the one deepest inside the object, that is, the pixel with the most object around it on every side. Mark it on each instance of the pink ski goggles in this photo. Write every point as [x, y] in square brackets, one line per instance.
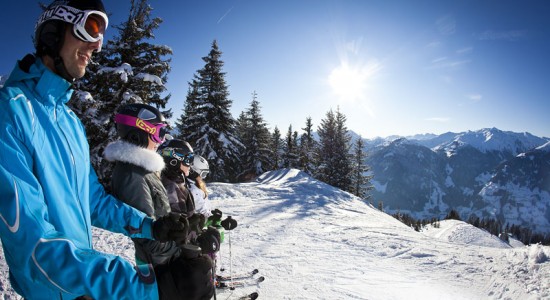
[157, 132]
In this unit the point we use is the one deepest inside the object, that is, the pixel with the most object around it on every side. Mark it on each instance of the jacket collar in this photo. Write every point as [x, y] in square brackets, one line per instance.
[129, 153]
[50, 87]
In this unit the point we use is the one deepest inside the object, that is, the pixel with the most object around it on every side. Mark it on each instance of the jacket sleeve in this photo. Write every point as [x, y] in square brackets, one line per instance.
[39, 254]
[112, 214]
[134, 190]
[202, 203]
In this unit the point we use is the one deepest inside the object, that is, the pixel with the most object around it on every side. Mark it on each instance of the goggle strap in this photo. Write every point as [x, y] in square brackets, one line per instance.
[151, 129]
[73, 16]
[171, 152]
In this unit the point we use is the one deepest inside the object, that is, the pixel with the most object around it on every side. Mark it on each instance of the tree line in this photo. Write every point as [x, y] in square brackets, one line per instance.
[493, 226]
[132, 69]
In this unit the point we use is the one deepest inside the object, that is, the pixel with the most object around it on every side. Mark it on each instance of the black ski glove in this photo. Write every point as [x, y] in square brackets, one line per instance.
[196, 222]
[185, 278]
[229, 223]
[209, 240]
[171, 227]
[216, 216]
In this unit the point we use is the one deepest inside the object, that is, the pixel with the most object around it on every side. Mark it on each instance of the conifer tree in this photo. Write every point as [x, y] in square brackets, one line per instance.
[190, 118]
[241, 127]
[333, 152]
[326, 150]
[254, 134]
[343, 146]
[207, 123]
[129, 69]
[360, 182]
[307, 149]
[290, 154]
[277, 148]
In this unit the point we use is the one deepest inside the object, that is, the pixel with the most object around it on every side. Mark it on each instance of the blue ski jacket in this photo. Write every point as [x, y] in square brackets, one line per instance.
[50, 198]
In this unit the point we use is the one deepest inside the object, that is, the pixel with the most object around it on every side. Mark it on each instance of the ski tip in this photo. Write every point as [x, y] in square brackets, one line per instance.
[255, 271]
[253, 296]
[260, 279]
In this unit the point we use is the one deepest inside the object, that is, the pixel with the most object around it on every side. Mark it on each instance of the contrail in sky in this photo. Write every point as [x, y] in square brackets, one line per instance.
[225, 15]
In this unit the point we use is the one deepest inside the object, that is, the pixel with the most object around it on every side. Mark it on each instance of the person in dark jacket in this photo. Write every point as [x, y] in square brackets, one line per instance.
[136, 175]
[177, 155]
[50, 195]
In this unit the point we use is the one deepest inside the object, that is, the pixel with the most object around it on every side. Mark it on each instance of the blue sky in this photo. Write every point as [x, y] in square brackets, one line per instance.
[392, 67]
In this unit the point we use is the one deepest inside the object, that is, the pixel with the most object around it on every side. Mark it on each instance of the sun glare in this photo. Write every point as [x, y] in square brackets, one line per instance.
[349, 83]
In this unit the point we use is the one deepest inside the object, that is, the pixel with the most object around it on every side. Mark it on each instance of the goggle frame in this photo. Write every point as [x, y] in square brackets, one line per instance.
[80, 20]
[156, 132]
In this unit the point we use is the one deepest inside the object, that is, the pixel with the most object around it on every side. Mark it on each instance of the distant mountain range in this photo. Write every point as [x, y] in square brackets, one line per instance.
[490, 173]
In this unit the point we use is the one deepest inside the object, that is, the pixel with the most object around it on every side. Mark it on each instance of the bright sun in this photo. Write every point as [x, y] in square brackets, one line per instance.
[348, 83]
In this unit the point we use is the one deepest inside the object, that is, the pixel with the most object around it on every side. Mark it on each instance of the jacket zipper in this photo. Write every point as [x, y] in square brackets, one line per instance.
[75, 179]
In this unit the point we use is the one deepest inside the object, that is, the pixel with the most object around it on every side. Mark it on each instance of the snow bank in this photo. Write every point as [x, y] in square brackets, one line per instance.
[455, 231]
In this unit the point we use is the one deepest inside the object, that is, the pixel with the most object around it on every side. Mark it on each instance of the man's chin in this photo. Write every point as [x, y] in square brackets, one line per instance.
[78, 75]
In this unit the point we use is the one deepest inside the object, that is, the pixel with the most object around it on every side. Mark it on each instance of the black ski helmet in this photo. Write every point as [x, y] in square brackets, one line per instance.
[137, 122]
[176, 152]
[49, 32]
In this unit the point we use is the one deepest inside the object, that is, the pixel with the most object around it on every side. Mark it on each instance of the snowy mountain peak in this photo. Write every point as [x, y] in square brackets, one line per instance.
[493, 139]
[545, 147]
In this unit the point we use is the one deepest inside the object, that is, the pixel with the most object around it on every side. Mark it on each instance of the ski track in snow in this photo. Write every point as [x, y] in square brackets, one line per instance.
[312, 241]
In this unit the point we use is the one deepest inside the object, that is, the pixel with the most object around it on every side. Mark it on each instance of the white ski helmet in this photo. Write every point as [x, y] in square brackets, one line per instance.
[200, 166]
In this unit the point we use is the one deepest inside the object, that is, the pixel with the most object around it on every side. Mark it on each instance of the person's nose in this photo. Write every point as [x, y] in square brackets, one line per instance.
[95, 46]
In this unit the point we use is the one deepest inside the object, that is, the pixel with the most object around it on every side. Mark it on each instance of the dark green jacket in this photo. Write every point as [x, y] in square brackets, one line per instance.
[136, 181]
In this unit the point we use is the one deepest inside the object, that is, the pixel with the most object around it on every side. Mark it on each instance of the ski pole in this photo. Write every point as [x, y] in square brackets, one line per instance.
[230, 259]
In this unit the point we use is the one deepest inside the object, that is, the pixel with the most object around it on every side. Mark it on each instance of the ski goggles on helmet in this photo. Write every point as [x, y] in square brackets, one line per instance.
[185, 159]
[88, 25]
[157, 132]
[203, 173]
[200, 166]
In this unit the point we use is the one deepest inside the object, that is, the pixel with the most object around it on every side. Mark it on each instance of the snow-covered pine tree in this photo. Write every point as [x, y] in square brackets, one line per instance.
[307, 149]
[241, 127]
[360, 182]
[207, 123]
[129, 69]
[277, 148]
[343, 163]
[290, 147]
[254, 134]
[333, 152]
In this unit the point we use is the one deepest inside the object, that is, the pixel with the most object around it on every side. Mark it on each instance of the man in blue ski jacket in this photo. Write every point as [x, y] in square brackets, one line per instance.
[50, 196]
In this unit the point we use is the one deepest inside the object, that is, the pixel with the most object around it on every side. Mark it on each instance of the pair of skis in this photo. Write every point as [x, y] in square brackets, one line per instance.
[251, 296]
[237, 276]
[240, 280]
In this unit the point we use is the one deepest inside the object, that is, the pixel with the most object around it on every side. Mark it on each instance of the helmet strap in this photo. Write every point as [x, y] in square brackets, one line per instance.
[50, 41]
[61, 70]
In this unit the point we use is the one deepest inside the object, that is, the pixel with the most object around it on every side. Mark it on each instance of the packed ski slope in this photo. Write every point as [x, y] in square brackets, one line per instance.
[312, 241]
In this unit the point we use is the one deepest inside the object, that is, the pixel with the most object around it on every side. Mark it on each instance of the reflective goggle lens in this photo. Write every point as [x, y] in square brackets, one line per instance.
[95, 26]
[186, 159]
[160, 133]
[157, 132]
[203, 173]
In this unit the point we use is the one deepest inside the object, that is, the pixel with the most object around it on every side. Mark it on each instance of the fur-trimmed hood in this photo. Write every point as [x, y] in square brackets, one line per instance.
[129, 153]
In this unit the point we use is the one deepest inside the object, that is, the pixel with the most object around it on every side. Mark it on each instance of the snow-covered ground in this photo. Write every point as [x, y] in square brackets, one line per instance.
[312, 241]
